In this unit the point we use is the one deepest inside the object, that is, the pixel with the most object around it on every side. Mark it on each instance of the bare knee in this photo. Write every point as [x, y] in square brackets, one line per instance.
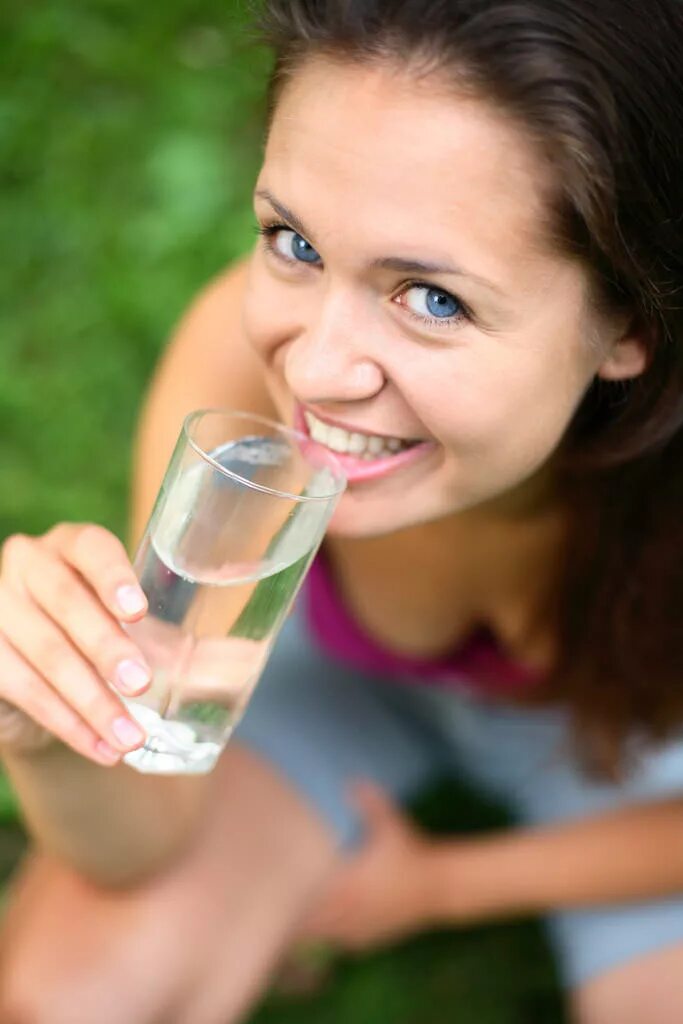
[648, 990]
[207, 934]
[62, 997]
[70, 954]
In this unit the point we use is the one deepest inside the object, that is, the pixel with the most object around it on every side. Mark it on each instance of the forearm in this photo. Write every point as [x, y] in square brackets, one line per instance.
[627, 855]
[113, 825]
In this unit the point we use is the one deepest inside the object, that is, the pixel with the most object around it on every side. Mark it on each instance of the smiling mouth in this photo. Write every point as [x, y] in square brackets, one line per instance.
[368, 447]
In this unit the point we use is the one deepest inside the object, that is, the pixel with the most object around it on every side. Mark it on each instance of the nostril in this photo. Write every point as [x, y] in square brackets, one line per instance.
[323, 376]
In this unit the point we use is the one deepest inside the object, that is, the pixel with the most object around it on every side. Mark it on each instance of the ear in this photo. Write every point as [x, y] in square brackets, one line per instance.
[628, 356]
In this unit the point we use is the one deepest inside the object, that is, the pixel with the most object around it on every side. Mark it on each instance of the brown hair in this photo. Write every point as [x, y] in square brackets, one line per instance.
[598, 84]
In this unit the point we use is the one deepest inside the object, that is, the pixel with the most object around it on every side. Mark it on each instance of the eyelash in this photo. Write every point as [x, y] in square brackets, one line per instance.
[268, 231]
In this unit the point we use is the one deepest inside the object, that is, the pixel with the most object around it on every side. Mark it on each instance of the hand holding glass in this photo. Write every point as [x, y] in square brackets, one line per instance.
[241, 512]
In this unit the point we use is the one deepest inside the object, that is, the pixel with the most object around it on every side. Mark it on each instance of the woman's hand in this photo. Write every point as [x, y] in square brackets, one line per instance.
[376, 895]
[63, 596]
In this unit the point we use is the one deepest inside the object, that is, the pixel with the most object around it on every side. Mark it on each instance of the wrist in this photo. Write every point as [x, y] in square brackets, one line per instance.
[474, 879]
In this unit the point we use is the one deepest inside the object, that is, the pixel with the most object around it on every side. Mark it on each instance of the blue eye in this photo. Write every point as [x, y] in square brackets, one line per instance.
[431, 302]
[441, 304]
[292, 246]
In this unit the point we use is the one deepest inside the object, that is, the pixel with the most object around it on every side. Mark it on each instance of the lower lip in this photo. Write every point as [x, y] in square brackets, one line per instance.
[357, 470]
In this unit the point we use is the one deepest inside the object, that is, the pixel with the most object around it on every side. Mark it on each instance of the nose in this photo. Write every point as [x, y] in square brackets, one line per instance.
[330, 359]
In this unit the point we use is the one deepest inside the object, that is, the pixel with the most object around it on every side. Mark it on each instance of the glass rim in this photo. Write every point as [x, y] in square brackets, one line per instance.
[289, 432]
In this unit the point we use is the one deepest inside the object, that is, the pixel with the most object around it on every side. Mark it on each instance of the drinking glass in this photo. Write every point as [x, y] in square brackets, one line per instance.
[241, 512]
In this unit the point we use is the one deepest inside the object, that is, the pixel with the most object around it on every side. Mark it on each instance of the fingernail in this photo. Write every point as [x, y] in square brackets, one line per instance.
[132, 675]
[107, 752]
[127, 732]
[131, 599]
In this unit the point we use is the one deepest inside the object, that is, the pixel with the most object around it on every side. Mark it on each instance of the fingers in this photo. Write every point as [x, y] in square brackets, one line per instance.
[95, 633]
[374, 804]
[31, 695]
[101, 559]
[50, 654]
[61, 596]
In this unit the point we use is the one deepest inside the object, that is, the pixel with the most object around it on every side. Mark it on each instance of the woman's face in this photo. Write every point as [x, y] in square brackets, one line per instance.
[404, 297]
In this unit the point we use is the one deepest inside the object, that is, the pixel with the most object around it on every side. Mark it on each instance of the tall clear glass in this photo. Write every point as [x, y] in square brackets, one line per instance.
[241, 512]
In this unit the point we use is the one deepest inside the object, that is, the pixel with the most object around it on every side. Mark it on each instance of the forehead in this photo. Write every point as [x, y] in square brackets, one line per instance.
[383, 149]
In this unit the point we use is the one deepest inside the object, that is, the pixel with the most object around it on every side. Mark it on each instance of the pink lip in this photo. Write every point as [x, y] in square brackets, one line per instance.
[359, 469]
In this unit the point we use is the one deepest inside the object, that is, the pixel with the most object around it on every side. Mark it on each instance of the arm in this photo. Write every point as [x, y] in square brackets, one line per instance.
[111, 823]
[402, 880]
[629, 854]
[208, 363]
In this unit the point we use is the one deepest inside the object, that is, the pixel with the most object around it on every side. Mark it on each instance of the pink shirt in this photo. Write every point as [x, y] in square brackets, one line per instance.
[478, 662]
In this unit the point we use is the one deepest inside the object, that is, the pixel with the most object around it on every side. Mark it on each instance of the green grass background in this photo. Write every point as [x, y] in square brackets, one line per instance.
[129, 141]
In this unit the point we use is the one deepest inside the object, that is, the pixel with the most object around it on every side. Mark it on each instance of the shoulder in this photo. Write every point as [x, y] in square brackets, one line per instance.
[209, 357]
[208, 363]
[223, 294]
[212, 321]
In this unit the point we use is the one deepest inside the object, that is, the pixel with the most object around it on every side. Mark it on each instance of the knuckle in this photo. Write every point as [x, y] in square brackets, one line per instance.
[100, 555]
[89, 538]
[52, 656]
[107, 648]
[95, 705]
[74, 732]
[15, 546]
[64, 588]
[103, 641]
[60, 534]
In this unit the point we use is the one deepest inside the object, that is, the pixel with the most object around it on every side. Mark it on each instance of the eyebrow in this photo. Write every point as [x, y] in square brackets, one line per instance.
[284, 212]
[400, 264]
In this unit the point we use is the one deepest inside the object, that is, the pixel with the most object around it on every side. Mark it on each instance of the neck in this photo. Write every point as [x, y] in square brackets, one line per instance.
[532, 506]
[495, 564]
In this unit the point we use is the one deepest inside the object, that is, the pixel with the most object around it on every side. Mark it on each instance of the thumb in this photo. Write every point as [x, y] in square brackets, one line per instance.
[373, 803]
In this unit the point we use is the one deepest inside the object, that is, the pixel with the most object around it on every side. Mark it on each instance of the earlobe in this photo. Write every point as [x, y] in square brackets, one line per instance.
[628, 358]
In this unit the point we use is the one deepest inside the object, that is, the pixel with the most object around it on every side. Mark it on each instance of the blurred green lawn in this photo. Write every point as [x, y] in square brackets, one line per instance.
[129, 139]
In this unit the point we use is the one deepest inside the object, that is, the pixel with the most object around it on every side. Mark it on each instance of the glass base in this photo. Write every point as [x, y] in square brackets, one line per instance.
[171, 748]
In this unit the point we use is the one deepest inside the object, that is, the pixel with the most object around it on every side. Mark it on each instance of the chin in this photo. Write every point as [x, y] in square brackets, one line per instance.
[355, 518]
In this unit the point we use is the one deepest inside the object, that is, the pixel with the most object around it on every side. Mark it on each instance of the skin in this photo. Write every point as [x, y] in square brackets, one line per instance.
[364, 157]
[476, 518]
[495, 390]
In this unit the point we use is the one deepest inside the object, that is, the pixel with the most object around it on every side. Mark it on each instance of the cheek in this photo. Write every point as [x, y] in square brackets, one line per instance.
[524, 402]
[271, 313]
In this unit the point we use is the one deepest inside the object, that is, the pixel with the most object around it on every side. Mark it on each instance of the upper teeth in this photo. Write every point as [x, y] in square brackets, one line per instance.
[365, 446]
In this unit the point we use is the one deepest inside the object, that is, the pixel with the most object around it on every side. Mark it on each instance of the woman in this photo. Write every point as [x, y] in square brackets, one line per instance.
[469, 282]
